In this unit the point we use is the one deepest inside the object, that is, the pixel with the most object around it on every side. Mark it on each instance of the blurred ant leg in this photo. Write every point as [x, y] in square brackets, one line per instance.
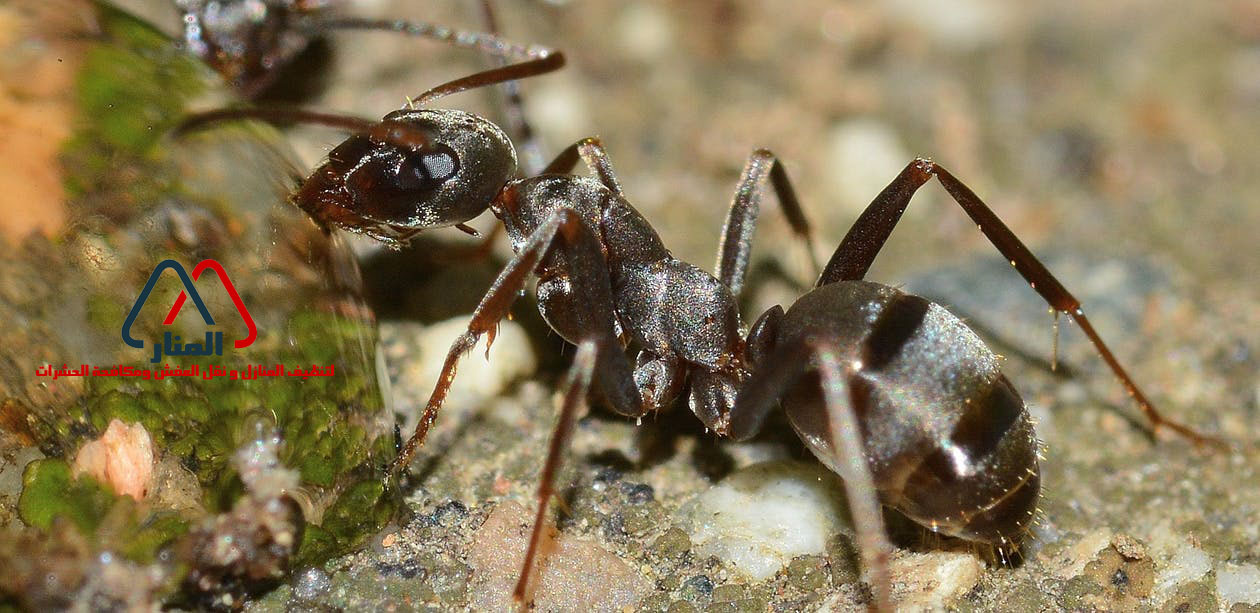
[486, 42]
[859, 486]
[853, 258]
[575, 389]
[741, 219]
[274, 116]
[760, 395]
[563, 233]
[528, 145]
[350, 123]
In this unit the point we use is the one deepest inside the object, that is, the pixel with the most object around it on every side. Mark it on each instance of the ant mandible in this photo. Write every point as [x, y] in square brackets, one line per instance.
[890, 391]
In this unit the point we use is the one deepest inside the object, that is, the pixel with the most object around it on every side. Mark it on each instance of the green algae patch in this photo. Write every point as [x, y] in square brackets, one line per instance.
[50, 492]
[136, 86]
[367, 504]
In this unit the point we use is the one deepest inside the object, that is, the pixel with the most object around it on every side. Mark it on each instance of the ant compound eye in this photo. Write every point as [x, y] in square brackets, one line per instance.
[426, 169]
[441, 165]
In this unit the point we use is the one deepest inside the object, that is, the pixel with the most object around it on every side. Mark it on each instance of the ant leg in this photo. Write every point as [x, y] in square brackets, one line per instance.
[581, 253]
[349, 123]
[660, 378]
[859, 486]
[486, 42]
[528, 145]
[741, 220]
[576, 386]
[590, 151]
[732, 261]
[760, 394]
[853, 258]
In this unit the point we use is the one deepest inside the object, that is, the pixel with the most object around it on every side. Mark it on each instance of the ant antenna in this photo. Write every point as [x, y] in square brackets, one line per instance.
[550, 62]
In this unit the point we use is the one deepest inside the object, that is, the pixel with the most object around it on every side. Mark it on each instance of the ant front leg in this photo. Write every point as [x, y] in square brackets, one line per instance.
[857, 251]
[564, 233]
[784, 369]
[591, 152]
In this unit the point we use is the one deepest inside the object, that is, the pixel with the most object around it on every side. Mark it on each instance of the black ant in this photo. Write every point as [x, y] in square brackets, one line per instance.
[887, 389]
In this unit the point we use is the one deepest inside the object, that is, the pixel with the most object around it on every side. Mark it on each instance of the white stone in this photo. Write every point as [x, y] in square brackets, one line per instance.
[759, 518]
[1238, 583]
[1073, 561]
[478, 378]
[863, 156]
[1186, 564]
[930, 581]
[1177, 561]
[645, 32]
[957, 24]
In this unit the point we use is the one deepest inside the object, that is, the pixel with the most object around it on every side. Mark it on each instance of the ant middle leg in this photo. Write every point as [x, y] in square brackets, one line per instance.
[590, 151]
[868, 234]
[576, 386]
[762, 167]
[564, 233]
[732, 260]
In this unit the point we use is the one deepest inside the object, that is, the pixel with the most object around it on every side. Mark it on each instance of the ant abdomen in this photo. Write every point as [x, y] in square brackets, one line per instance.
[948, 440]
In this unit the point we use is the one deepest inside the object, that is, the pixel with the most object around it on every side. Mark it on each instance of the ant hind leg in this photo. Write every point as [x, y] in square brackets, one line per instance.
[856, 252]
[760, 394]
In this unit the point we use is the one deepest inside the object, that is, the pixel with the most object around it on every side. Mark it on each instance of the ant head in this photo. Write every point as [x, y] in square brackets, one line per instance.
[414, 170]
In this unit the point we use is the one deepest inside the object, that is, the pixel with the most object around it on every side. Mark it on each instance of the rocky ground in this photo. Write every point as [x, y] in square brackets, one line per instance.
[1118, 140]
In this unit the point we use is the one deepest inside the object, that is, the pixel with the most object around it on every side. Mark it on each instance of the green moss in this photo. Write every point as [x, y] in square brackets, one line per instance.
[115, 522]
[362, 510]
[48, 492]
[145, 539]
[135, 90]
[132, 88]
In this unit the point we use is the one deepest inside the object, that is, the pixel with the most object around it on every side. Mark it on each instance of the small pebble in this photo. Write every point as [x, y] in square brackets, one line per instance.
[761, 517]
[1238, 583]
[311, 584]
